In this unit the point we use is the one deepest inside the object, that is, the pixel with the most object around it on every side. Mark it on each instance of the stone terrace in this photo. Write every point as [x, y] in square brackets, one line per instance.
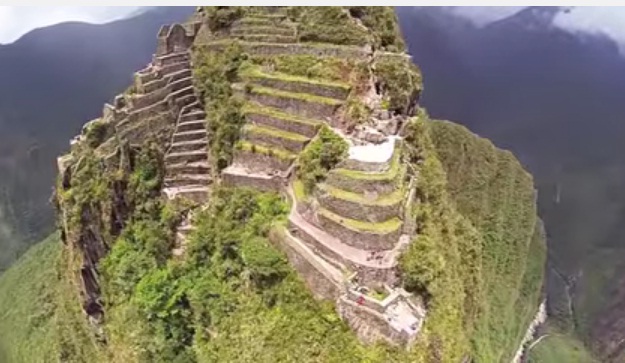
[283, 111]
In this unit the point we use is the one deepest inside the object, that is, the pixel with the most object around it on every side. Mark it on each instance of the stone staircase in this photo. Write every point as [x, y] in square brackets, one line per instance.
[188, 172]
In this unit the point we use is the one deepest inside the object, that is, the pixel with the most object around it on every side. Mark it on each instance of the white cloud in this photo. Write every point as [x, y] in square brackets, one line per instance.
[605, 20]
[16, 21]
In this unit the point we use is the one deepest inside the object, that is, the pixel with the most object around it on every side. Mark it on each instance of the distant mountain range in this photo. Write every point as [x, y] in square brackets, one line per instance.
[53, 80]
[555, 99]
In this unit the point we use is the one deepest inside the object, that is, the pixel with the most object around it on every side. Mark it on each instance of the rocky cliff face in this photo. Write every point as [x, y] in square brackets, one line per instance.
[170, 213]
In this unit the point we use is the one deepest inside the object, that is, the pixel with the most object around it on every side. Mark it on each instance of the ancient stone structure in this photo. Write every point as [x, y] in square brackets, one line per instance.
[345, 241]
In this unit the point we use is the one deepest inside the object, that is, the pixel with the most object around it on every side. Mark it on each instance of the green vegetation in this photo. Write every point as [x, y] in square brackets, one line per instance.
[382, 22]
[232, 299]
[214, 72]
[322, 154]
[478, 202]
[388, 226]
[309, 66]
[221, 17]
[294, 95]
[385, 199]
[96, 133]
[27, 303]
[559, 348]
[355, 25]
[330, 24]
[255, 72]
[280, 153]
[400, 81]
[275, 132]
[254, 108]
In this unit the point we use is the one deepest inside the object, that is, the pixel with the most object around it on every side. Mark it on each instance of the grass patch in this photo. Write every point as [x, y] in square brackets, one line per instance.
[277, 113]
[560, 348]
[275, 132]
[253, 148]
[383, 200]
[293, 95]
[388, 226]
[255, 72]
[27, 331]
[300, 191]
[390, 174]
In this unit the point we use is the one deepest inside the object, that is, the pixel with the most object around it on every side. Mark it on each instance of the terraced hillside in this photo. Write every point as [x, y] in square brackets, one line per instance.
[269, 155]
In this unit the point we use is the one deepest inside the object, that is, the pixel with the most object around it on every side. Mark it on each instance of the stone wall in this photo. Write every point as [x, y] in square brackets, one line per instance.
[302, 128]
[365, 240]
[321, 286]
[359, 211]
[367, 275]
[371, 167]
[306, 108]
[273, 184]
[369, 325]
[262, 138]
[362, 185]
[260, 163]
[323, 90]
[267, 49]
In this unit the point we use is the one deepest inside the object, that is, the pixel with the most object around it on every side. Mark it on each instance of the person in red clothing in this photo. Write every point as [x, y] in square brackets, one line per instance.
[361, 300]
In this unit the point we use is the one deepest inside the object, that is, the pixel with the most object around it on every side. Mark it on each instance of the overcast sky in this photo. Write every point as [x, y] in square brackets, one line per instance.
[16, 21]
[606, 20]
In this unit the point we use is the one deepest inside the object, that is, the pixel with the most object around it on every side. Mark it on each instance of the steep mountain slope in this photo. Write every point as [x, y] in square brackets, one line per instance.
[554, 99]
[269, 189]
[53, 79]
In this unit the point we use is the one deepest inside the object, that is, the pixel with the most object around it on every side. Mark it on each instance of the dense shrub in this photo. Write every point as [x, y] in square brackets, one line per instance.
[214, 74]
[221, 17]
[400, 82]
[321, 155]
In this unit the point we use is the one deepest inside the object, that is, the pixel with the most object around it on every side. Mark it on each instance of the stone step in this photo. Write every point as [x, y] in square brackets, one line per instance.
[268, 38]
[180, 180]
[235, 176]
[192, 116]
[194, 145]
[268, 30]
[191, 126]
[184, 100]
[275, 138]
[199, 167]
[273, 117]
[304, 85]
[171, 58]
[183, 93]
[190, 135]
[262, 159]
[301, 104]
[175, 75]
[367, 208]
[186, 157]
[195, 193]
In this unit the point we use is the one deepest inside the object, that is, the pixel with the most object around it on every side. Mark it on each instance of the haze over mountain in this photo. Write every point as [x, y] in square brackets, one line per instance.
[555, 98]
[19, 20]
[53, 79]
